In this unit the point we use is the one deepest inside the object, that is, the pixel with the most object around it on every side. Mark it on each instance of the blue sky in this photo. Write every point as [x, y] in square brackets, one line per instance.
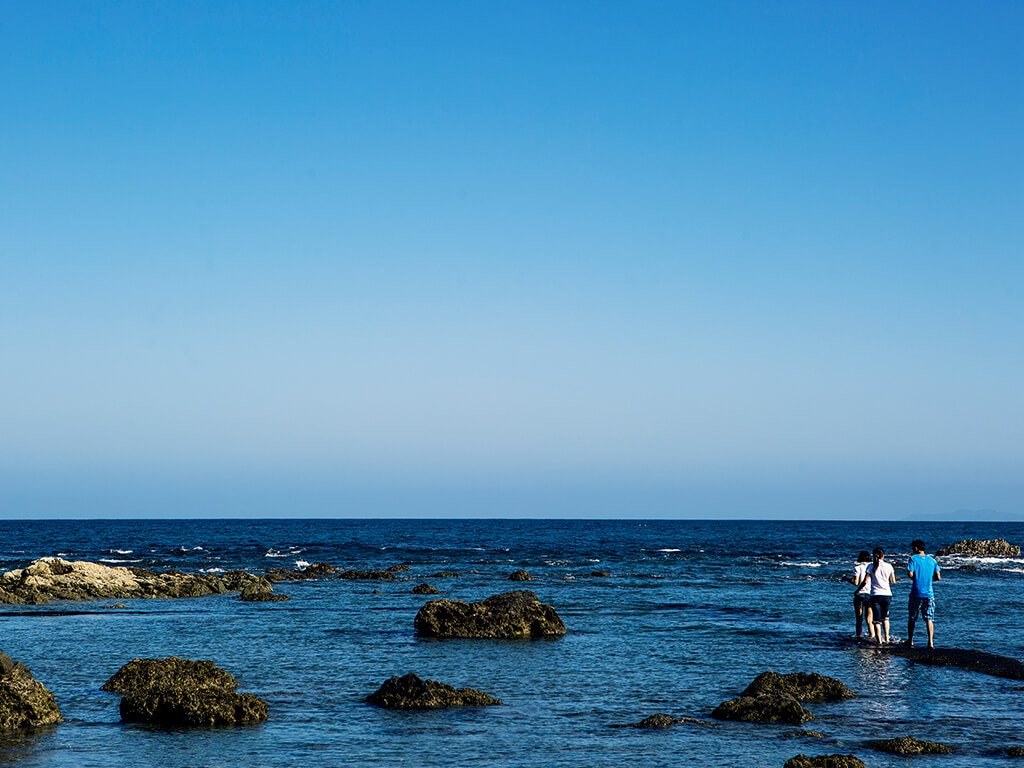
[516, 258]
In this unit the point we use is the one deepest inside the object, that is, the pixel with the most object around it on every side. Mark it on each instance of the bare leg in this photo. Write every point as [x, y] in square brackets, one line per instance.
[910, 631]
[858, 611]
[869, 616]
[931, 634]
[886, 624]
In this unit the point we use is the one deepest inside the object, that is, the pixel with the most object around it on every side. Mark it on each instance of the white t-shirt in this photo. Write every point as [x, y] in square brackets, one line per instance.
[879, 578]
[858, 575]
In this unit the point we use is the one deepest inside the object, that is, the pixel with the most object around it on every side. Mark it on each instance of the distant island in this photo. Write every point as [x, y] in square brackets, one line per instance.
[968, 516]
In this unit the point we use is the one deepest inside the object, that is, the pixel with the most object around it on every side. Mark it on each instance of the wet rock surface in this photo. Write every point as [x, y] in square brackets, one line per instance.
[52, 578]
[414, 692]
[981, 548]
[182, 692]
[825, 761]
[520, 575]
[800, 685]
[24, 701]
[508, 615]
[970, 660]
[255, 594]
[382, 575]
[1015, 752]
[425, 589]
[908, 745]
[767, 708]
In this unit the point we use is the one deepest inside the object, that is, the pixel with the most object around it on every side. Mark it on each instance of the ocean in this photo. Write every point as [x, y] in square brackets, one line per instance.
[690, 613]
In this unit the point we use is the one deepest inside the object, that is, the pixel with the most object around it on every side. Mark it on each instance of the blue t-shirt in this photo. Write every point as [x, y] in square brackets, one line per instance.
[922, 570]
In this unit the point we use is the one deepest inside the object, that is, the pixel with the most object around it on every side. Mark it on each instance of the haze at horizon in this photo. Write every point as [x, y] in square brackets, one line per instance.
[690, 260]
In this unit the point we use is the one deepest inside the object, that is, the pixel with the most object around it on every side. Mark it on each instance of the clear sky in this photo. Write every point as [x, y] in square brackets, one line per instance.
[636, 259]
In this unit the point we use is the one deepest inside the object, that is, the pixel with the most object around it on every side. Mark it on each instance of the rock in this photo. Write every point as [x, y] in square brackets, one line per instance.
[369, 575]
[314, 571]
[963, 658]
[825, 761]
[908, 745]
[1015, 752]
[664, 721]
[799, 685]
[51, 578]
[256, 595]
[376, 592]
[982, 548]
[24, 701]
[413, 692]
[111, 607]
[446, 575]
[767, 708]
[399, 567]
[598, 574]
[425, 589]
[510, 614]
[182, 692]
[968, 568]
[520, 575]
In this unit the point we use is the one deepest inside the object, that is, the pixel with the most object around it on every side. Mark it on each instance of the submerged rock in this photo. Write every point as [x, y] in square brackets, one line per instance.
[825, 761]
[664, 721]
[800, 685]
[981, 548]
[368, 575]
[520, 575]
[182, 692]
[255, 594]
[446, 575]
[24, 701]
[399, 567]
[963, 658]
[510, 614]
[908, 745]
[767, 708]
[314, 571]
[52, 578]
[413, 692]
[1015, 752]
[425, 589]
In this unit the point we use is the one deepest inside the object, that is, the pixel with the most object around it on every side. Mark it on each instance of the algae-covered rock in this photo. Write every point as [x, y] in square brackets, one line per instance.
[24, 701]
[825, 761]
[510, 614]
[908, 745]
[425, 589]
[520, 575]
[801, 686]
[413, 692]
[314, 571]
[182, 692]
[767, 708]
[368, 575]
[981, 548]
[661, 720]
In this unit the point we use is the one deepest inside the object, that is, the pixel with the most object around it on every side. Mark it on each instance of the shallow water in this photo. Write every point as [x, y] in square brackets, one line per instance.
[691, 612]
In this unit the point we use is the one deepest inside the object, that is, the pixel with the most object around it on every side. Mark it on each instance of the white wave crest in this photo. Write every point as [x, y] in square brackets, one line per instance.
[802, 565]
[301, 564]
[114, 560]
[669, 550]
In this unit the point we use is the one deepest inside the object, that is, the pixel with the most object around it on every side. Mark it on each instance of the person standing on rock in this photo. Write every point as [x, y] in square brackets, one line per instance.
[862, 595]
[923, 570]
[880, 576]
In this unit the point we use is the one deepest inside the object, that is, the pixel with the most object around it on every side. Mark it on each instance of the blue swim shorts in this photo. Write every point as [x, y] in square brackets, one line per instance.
[861, 600]
[923, 605]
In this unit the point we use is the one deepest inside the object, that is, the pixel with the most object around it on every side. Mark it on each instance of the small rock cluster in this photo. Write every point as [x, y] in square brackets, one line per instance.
[775, 698]
[981, 548]
[508, 615]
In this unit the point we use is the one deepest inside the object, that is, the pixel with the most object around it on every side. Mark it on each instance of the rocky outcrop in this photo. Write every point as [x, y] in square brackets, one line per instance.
[368, 575]
[982, 548]
[801, 686]
[182, 692]
[908, 745]
[413, 692]
[520, 575]
[963, 658]
[425, 589]
[24, 701]
[767, 708]
[256, 594]
[51, 578]
[314, 571]
[399, 567]
[825, 761]
[510, 614]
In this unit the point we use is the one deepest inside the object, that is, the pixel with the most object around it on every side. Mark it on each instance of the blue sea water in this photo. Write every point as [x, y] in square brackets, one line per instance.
[691, 612]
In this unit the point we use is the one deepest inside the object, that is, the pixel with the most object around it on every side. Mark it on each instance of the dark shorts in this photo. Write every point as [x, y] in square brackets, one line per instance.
[880, 605]
[861, 601]
[923, 605]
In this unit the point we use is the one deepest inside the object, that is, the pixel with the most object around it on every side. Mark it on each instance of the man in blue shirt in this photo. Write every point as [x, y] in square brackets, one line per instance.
[923, 570]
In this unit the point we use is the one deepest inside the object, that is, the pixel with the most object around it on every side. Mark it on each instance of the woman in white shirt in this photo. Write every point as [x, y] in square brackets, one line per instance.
[879, 575]
[862, 594]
